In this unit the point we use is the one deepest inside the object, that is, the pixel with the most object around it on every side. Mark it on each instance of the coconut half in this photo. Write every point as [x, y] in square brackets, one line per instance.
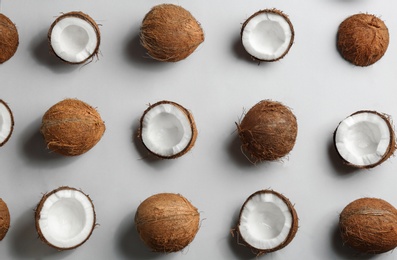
[267, 35]
[9, 38]
[267, 222]
[167, 130]
[74, 37]
[65, 218]
[4, 219]
[365, 139]
[6, 123]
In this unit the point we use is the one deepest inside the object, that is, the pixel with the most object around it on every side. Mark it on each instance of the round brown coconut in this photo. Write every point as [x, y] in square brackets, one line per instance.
[167, 222]
[170, 33]
[4, 104]
[369, 225]
[9, 38]
[362, 39]
[268, 131]
[4, 219]
[72, 127]
[263, 202]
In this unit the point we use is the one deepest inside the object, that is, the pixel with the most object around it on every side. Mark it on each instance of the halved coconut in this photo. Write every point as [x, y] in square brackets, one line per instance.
[365, 139]
[167, 130]
[9, 38]
[74, 37]
[4, 219]
[267, 35]
[267, 222]
[65, 218]
[6, 123]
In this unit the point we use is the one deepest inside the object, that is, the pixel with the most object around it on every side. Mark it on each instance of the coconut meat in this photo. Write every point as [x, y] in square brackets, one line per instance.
[267, 36]
[265, 221]
[74, 39]
[66, 218]
[166, 130]
[5, 122]
[363, 138]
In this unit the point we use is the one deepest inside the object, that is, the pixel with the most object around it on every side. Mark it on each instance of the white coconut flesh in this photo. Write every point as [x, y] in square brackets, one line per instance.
[6, 123]
[267, 36]
[66, 218]
[363, 138]
[166, 130]
[265, 221]
[74, 39]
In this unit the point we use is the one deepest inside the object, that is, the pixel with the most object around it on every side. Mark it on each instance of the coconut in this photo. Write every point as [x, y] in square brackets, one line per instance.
[167, 222]
[268, 222]
[65, 218]
[72, 127]
[369, 225]
[365, 139]
[6, 122]
[4, 219]
[74, 37]
[170, 33]
[268, 131]
[267, 35]
[362, 39]
[9, 39]
[167, 130]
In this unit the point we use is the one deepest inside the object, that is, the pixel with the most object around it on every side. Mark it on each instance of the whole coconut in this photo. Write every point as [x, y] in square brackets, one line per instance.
[72, 127]
[4, 219]
[170, 33]
[369, 225]
[9, 38]
[268, 131]
[167, 222]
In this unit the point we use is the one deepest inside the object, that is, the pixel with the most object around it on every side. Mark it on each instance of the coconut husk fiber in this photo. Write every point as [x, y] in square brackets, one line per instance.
[170, 33]
[9, 38]
[4, 219]
[362, 39]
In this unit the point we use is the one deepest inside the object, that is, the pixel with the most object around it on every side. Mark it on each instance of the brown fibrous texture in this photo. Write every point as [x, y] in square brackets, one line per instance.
[37, 216]
[268, 131]
[167, 222]
[362, 39]
[369, 225]
[170, 33]
[9, 38]
[4, 219]
[292, 232]
[72, 127]
[192, 127]
[82, 16]
[12, 122]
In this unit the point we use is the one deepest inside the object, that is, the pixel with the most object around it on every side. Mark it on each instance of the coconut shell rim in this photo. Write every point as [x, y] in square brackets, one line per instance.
[12, 122]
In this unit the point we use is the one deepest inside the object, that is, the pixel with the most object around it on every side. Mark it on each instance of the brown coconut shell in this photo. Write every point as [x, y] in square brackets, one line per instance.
[167, 222]
[12, 123]
[278, 12]
[4, 219]
[82, 16]
[362, 39]
[9, 38]
[268, 131]
[170, 33]
[392, 144]
[72, 127]
[37, 217]
[192, 126]
[292, 232]
[369, 225]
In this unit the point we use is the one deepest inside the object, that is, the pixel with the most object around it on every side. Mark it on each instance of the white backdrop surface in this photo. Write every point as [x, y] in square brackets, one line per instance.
[217, 83]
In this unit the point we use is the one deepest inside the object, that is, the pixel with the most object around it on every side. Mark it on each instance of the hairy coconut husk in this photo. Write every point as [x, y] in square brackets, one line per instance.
[72, 127]
[170, 33]
[9, 38]
[392, 144]
[192, 126]
[362, 39]
[268, 131]
[167, 222]
[85, 17]
[4, 219]
[369, 225]
[37, 217]
[12, 122]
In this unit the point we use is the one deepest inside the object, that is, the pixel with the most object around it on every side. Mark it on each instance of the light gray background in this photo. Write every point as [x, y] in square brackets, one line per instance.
[217, 83]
